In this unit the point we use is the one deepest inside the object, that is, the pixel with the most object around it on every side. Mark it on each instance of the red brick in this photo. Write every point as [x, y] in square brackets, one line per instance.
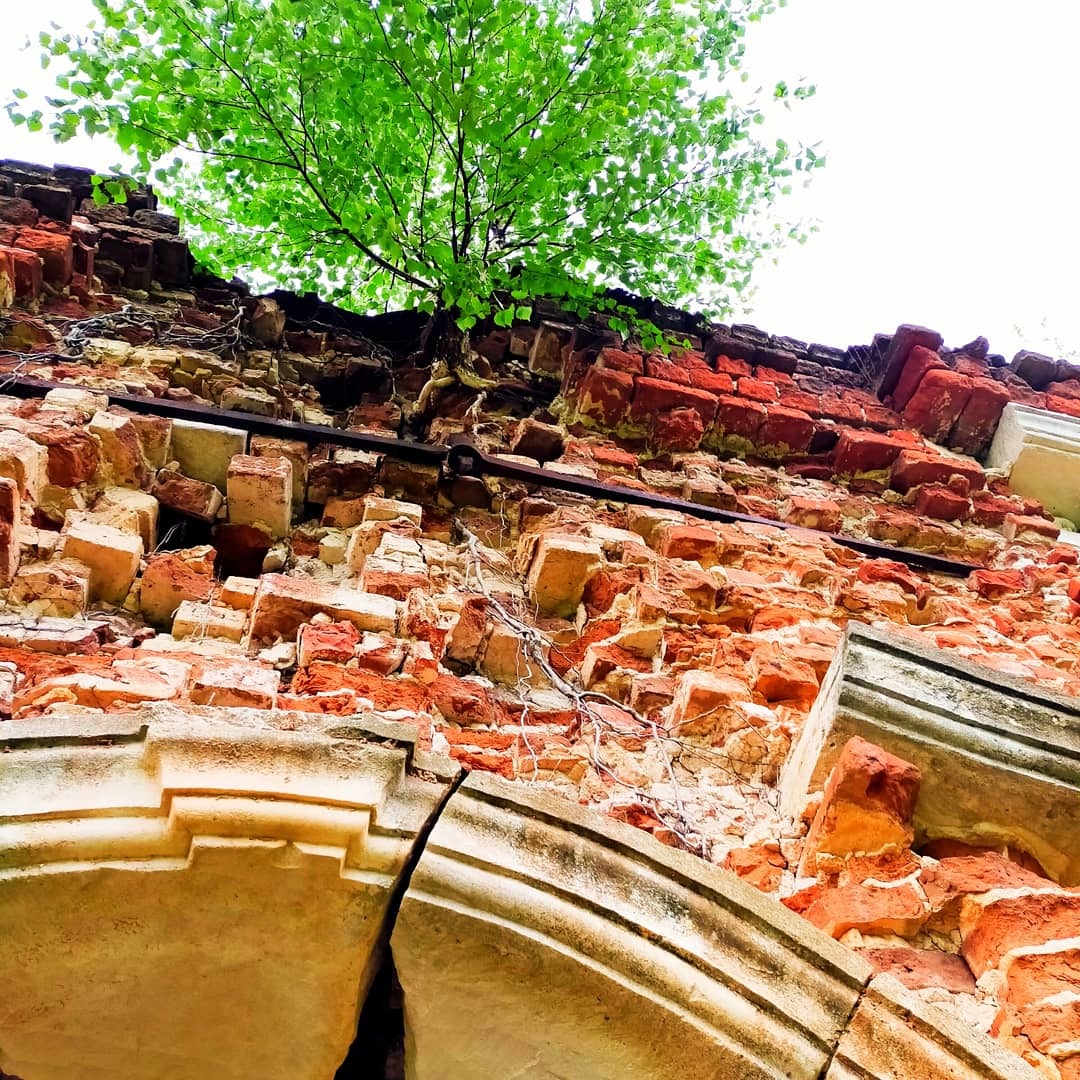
[1064, 405]
[735, 368]
[978, 420]
[919, 361]
[937, 403]
[757, 389]
[761, 865]
[821, 514]
[605, 395]
[863, 451]
[693, 542]
[55, 250]
[27, 267]
[991, 510]
[914, 467]
[1030, 977]
[658, 367]
[778, 678]
[677, 430]
[1021, 526]
[870, 910]
[739, 417]
[652, 396]
[620, 360]
[992, 584]
[73, 454]
[1013, 922]
[923, 969]
[1048, 1024]
[842, 410]
[866, 807]
[938, 501]
[716, 382]
[788, 428]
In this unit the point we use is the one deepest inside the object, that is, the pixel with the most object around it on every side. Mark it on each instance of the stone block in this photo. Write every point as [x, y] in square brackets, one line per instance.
[1040, 452]
[893, 1035]
[203, 451]
[112, 556]
[195, 498]
[560, 569]
[260, 493]
[597, 918]
[278, 841]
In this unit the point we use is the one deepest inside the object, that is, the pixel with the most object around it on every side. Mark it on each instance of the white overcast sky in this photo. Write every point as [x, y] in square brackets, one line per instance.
[949, 197]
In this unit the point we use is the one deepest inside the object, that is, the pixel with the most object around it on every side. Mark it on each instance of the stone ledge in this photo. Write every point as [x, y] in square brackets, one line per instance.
[893, 1035]
[199, 892]
[1040, 452]
[1017, 748]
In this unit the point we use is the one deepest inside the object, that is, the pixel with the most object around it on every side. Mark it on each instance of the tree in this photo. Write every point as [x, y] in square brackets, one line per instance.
[458, 156]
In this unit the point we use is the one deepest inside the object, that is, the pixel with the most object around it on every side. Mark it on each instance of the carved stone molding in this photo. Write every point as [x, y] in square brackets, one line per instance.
[1000, 759]
[1040, 452]
[199, 893]
[539, 940]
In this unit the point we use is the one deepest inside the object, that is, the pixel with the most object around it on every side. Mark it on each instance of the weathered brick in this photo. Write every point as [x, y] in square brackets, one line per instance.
[653, 396]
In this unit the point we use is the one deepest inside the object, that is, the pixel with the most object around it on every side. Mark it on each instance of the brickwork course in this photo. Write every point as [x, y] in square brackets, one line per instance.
[652, 665]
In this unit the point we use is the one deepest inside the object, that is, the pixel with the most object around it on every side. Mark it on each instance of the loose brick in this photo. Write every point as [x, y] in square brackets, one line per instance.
[605, 395]
[938, 402]
[653, 396]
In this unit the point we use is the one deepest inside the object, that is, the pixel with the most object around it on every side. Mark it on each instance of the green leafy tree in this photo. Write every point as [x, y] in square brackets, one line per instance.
[457, 156]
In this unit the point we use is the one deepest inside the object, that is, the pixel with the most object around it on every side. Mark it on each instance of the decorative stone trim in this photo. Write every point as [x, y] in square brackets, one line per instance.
[1000, 759]
[537, 938]
[1040, 452]
[201, 892]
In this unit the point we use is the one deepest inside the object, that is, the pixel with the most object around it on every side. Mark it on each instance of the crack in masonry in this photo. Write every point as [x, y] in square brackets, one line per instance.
[358, 1064]
[852, 1065]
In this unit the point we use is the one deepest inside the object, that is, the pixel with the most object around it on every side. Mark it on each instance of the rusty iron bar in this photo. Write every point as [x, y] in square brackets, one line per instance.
[463, 458]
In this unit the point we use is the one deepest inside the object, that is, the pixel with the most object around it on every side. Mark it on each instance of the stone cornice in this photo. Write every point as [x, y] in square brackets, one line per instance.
[581, 947]
[1000, 759]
